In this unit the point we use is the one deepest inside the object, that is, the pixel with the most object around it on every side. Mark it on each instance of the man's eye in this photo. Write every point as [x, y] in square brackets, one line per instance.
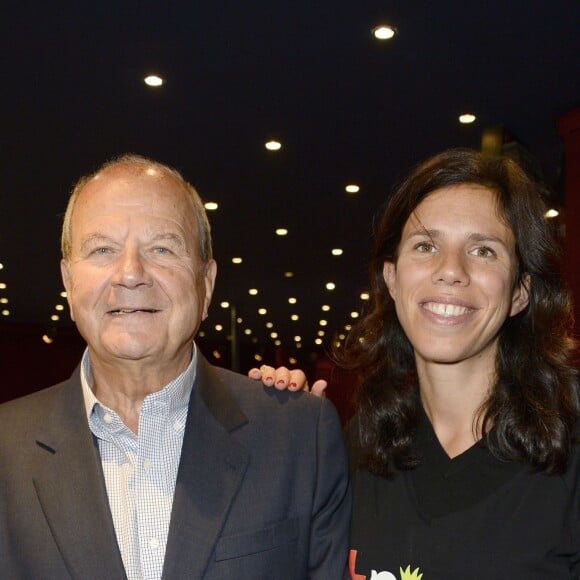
[161, 250]
[101, 250]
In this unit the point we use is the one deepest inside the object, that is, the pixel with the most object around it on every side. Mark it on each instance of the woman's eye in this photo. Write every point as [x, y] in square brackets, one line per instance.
[484, 252]
[425, 247]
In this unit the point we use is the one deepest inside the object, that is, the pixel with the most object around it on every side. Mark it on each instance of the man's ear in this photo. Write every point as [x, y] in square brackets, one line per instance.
[66, 280]
[521, 295]
[390, 277]
[209, 276]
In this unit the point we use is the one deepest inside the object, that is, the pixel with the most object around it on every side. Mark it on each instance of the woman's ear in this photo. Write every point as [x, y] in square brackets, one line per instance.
[521, 295]
[390, 277]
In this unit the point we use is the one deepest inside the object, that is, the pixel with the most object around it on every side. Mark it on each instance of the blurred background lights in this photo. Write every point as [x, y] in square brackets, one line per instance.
[281, 232]
[236, 260]
[153, 81]
[352, 188]
[253, 291]
[336, 251]
[467, 118]
[330, 285]
[273, 145]
[211, 205]
[384, 32]
[552, 213]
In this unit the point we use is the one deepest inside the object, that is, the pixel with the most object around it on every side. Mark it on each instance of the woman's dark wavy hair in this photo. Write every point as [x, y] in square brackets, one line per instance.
[530, 412]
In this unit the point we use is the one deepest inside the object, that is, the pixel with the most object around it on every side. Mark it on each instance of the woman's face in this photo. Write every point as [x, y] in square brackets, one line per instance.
[454, 281]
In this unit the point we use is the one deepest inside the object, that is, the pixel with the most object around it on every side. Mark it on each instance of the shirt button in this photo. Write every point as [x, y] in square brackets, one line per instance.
[108, 419]
[147, 464]
[154, 543]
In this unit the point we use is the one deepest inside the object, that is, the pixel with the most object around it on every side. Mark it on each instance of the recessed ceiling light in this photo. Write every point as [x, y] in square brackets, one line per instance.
[258, 357]
[216, 354]
[63, 294]
[294, 317]
[347, 326]
[384, 32]
[297, 338]
[330, 285]
[288, 274]
[292, 360]
[2, 285]
[225, 304]
[354, 314]
[320, 333]
[3, 300]
[273, 145]
[153, 81]
[352, 188]
[210, 205]
[323, 322]
[55, 317]
[277, 342]
[239, 320]
[253, 291]
[274, 334]
[292, 300]
[467, 118]
[236, 260]
[1, 265]
[262, 311]
[269, 324]
[47, 339]
[325, 307]
[364, 296]
[336, 251]
[552, 213]
[317, 341]
[248, 331]
[5, 312]
[59, 307]
[219, 327]
[281, 232]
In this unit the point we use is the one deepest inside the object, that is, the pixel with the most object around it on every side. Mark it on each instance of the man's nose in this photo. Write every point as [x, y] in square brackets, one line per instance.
[131, 269]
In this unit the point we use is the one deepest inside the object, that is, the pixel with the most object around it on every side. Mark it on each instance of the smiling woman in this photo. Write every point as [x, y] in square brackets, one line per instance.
[464, 447]
[469, 397]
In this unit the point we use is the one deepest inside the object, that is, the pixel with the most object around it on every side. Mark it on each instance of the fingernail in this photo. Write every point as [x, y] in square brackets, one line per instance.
[292, 385]
[280, 382]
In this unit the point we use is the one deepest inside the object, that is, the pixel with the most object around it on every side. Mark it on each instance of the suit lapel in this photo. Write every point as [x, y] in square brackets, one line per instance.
[71, 489]
[211, 469]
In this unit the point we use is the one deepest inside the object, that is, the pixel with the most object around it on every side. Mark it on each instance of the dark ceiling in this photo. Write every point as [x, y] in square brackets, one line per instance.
[346, 107]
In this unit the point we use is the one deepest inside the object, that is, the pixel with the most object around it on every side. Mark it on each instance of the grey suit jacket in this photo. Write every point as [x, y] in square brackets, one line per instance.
[262, 489]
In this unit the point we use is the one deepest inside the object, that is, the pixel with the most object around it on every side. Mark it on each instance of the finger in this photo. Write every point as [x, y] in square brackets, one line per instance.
[281, 378]
[297, 381]
[319, 388]
[255, 374]
[268, 375]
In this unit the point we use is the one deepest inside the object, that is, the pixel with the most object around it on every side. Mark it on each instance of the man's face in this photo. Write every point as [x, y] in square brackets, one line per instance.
[136, 286]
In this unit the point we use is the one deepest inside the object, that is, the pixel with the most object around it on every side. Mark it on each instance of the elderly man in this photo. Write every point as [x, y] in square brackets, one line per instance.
[148, 462]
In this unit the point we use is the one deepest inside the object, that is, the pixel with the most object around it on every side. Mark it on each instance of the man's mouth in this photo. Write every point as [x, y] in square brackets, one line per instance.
[121, 311]
[448, 310]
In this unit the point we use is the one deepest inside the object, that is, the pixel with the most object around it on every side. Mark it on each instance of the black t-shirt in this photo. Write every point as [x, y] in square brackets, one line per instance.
[470, 517]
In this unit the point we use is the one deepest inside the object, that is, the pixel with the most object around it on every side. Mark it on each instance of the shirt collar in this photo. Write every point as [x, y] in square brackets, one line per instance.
[175, 394]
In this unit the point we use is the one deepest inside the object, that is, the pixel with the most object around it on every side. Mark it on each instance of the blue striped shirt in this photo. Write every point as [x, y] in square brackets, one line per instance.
[141, 469]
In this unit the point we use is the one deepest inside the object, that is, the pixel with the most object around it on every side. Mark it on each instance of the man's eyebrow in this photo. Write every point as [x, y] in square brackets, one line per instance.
[92, 238]
[170, 237]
